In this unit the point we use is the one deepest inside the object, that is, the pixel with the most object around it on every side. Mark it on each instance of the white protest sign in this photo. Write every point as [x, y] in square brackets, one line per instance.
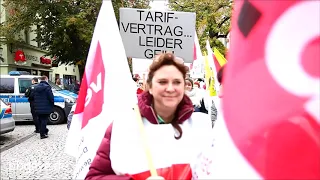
[198, 68]
[146, 33]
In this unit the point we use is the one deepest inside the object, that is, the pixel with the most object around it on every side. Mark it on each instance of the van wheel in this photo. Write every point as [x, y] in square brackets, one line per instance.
[57, 116]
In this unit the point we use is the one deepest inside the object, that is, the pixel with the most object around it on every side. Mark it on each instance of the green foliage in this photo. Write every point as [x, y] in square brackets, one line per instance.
[213, 19]
[64, 27]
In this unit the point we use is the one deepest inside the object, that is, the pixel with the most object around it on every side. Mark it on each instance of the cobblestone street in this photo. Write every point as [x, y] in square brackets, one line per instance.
[25, 156]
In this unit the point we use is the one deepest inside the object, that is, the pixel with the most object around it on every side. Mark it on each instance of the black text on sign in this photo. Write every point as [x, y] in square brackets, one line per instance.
[146, 33]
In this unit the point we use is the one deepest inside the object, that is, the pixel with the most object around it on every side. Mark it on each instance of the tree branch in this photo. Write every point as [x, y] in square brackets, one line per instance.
[222, 36]
[179, 5]
[213, 34]
[217, 35]
[223, 21]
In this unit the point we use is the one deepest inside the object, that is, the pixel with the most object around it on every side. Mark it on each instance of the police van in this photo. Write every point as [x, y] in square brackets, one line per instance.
[13, 87]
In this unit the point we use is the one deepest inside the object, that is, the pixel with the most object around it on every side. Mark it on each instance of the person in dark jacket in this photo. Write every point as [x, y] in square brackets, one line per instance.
[30, 89]
[43, 104]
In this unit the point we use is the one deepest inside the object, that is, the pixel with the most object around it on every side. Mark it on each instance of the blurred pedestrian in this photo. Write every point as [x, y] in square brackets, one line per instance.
[30, 90]
[43, 104]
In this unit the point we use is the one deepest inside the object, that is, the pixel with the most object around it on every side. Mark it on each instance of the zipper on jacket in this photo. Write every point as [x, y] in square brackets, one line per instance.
[154, 115]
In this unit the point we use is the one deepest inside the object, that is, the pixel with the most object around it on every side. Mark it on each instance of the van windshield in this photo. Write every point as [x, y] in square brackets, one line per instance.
[54, 86]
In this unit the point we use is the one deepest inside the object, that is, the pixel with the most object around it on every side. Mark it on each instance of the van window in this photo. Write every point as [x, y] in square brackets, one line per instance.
[24, 83]
[7, 85]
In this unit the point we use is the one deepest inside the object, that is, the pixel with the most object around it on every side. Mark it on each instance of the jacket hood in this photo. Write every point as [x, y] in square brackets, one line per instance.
[184, 110]
[191, 93]
[42, 86]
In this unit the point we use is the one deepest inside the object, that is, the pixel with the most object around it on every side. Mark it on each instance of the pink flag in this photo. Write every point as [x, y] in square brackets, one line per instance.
[91, 94]
[197, 65]
[194, 56]
[272, 122]
[100, 99]
[275, 122]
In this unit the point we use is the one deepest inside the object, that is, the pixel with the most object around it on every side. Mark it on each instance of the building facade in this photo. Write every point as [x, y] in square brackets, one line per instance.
[28, 56]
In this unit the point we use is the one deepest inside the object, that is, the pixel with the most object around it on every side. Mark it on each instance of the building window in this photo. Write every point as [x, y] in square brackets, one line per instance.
[7, 85]
[57, 76]
[1, 58]
[38, 43]
[66, 68]
[34, 72]
[27, 36]
[74, 70]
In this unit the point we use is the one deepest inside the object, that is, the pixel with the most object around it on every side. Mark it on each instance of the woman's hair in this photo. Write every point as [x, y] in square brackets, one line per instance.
[190, 80]
[167, 59]
[220, 74]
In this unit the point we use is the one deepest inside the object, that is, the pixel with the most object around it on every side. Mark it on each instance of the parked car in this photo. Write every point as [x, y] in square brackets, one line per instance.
[13, 87]
[7, 123]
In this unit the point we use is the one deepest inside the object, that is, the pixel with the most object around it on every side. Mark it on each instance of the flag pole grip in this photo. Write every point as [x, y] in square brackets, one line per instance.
[153, 170]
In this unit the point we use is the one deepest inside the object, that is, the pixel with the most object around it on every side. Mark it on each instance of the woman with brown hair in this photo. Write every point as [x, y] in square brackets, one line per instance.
[196, 96]
[175, 134]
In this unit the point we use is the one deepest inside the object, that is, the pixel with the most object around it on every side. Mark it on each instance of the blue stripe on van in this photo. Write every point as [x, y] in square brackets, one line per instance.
[23, 99]
[7, 98]
[58, 99]
[68, 93]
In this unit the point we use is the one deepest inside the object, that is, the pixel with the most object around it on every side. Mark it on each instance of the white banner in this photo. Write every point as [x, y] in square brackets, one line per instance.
[146, 33]
[98, 106]
[198, 68]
